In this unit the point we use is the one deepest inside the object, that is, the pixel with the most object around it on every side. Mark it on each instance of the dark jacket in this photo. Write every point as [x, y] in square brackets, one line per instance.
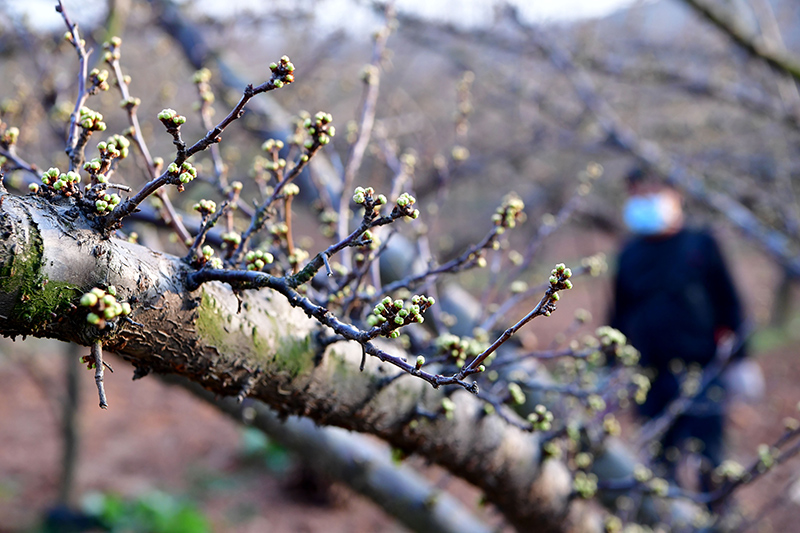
[673, 296]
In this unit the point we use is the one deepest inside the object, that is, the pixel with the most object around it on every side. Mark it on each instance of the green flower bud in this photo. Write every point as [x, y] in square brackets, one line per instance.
[89, 299]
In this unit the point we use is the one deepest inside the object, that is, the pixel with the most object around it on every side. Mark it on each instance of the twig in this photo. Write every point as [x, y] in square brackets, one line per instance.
[97, 354]
[83, 94]
[278, 79]
[559, 281]
[131, 107]
[734, 28]
[371, 89]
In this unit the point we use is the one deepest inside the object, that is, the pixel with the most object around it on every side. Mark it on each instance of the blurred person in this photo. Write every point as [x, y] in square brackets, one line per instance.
[675, 301]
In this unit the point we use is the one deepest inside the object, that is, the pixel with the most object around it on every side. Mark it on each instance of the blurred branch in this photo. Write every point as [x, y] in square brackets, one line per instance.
[356, 462]
[734, 27]
[775, 242]
[737, 94]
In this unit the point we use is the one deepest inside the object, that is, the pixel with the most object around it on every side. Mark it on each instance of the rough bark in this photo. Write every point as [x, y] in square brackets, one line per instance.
[50, 255]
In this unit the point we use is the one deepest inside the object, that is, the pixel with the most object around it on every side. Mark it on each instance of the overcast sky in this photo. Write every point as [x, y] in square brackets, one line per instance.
[42, 15]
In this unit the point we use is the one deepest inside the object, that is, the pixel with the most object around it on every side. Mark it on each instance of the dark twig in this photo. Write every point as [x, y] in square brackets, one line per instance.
[559, 281]
[83, 94]
[97, 354]
[277, 81]
[131, 105]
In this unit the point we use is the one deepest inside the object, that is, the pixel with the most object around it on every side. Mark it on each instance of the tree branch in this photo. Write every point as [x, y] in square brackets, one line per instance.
[202, 336]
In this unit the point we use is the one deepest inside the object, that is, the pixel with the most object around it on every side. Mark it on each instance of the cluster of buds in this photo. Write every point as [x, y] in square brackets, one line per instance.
[181, 174]
[614, 345]
[509, 213]
[297, 257]
[9, 137]
[320, 129]
[171, 119]
[328, 219]
[279, 233]
[282, 72]
[611, 425]
[258, 259]
[595, 264]
[231, 240]
[595, 403]
[642, 474]
[404, 206]
[206, 256]
[97, 168]
[201, 78]
[766, 457]
[728, 471]
[99, 79]
[559, 281]
[585, 485]
[516, 394]
[103, 306]
[91, 120]
[641, 385]
[273, 145]
[459, 348]
[205, 207]
[659, 486]
[111, 48]
[116, 146]
[541, 419]
[390, 315]
[448, 408]
[130, 103]
[54, 181]
[291, 189]
[106, 203]
[366, 197]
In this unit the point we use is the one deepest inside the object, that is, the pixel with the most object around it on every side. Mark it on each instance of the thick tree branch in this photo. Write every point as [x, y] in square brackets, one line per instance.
[357, 462]
[50, 256]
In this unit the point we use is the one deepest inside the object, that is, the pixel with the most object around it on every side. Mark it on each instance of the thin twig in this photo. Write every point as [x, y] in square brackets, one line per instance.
[210, 138]
[370, 100]
[97, 354]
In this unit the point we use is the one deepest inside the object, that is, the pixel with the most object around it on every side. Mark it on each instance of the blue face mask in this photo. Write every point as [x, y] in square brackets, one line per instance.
[646, 215]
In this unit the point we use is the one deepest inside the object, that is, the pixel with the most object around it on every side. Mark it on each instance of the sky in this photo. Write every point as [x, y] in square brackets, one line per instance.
[468, 13]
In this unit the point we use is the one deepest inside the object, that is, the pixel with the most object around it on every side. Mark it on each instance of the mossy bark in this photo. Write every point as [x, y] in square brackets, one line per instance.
[267, 350]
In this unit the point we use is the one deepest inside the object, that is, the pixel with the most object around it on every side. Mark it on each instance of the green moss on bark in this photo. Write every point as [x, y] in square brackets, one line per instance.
[39, 300]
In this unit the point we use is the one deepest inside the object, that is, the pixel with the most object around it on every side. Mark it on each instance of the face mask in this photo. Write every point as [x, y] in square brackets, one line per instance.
[650, 214]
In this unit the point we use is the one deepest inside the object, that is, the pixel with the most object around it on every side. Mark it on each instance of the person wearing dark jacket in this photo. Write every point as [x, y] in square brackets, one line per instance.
[675, 301]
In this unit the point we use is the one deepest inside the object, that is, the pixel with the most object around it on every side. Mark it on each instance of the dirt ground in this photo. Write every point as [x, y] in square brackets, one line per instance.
[158, 437]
